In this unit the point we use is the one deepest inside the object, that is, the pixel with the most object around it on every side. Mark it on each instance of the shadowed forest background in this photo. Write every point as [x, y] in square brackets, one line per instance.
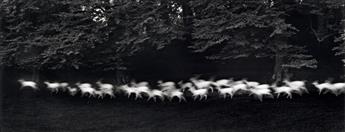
[171, 40]
[174, 39]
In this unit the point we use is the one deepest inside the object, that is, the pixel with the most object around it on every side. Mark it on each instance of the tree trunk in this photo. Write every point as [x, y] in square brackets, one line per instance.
[343, 28]
[1, 92]
[188, 57]
[187, 16]
[278, 69]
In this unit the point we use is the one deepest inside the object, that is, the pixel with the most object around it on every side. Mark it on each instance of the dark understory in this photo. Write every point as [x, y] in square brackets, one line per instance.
[27, 111]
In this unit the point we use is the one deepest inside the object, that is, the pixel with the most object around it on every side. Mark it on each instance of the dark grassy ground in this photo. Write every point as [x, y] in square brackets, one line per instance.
[26, 111]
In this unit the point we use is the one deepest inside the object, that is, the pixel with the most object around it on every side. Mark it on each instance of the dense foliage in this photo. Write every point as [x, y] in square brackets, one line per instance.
[70, 34]
[103, 35]
[240, 29]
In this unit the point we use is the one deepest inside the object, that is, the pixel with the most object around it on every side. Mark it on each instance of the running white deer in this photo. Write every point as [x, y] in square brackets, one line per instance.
[282, 90]
[98, 94]
[239, 86]
[86, 88]
[104, 85]
[52, 86]
[198, 93]
[166, 85]
[297, 86]
[143, 90]
[172, 92]
[129, 90]
[250, 84]
[185, 86]
[63, 86]
[72, 90]
[134, 83]
[30, 84]
[106, 89]
[202, 84]
[261, 90]
[338, 88]
[154, 93]
[188, 86]
[222, 83]
[226, 91]
[323, 86]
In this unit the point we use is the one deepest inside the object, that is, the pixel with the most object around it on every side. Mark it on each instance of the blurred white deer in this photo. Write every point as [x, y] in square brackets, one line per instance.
[239, 86]
[323, 86]
[297, 86]
[129, 90]
[104, 85]
[250, 84]
[202, 84]
[166, 85]
[201, 93]
[172, 93]
[72, 91]
[63, 86]
[143, 90]
[282, 90]
[338, 88]
[52, 86]
[226, 91]
[154, 93]
[106, 89]
[223, 83]
[261, 90]
[98, 94]
[86, 88]
[30, 84]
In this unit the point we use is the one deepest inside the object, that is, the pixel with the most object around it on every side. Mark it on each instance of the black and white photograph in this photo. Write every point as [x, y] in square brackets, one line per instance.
[172, 65]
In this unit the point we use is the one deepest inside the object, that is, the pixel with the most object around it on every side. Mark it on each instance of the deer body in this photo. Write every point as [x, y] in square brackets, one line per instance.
[201, 93]
[30, 84]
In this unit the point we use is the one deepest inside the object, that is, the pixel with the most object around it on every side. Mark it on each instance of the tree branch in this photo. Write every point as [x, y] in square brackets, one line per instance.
[318, 38]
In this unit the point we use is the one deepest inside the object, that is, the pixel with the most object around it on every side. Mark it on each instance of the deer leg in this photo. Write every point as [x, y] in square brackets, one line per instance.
[137, 96]
[306, 90]
[194, 97]
[224, 96]
[183, 98]
[326, 91]
[260, 97]
[290, 96]
[211, 89]
[162, 98]
[148, 99]
[231, 96]
[278, 95]
[336, 93]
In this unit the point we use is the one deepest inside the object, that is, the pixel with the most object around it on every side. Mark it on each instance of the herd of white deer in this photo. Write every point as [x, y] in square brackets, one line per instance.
[198, 89]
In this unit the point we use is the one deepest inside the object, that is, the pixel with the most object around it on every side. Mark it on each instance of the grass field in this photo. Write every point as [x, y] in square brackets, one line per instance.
[27, 111]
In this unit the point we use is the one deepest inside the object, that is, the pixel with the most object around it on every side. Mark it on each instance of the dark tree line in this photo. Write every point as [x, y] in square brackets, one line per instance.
[105, 35]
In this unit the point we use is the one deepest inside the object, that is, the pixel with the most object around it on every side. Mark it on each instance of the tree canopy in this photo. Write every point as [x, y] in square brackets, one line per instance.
[60, 34]
[103, 35]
